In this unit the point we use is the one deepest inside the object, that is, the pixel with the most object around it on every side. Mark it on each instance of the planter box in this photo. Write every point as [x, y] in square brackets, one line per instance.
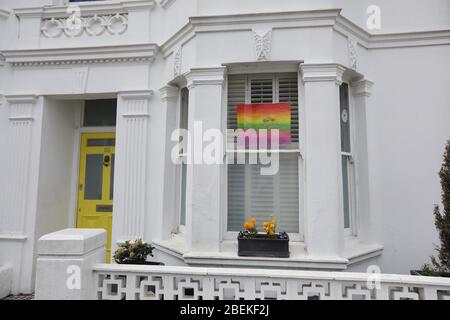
[262, 246]
[420, 273]
[144, 263]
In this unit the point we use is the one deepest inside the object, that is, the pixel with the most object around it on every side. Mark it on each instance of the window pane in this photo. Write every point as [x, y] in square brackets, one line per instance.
[183, 195]
[93, 177]
[111, 186]
[100, 113]
[288, 92]
[345, 118]
[101, 142]
[184, 124]
[261, 90]
[251, 194]
[345, 191]
[184, 109]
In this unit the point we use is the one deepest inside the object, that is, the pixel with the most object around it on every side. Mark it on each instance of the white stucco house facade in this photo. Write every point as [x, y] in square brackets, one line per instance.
[89, 100]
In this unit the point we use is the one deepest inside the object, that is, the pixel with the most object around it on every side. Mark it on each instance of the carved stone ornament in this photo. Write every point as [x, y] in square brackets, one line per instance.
[353, 53]
[263, 45]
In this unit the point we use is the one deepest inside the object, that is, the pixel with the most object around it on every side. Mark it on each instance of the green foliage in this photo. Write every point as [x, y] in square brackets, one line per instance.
[133, 252]
[428, 270]
[441, 263]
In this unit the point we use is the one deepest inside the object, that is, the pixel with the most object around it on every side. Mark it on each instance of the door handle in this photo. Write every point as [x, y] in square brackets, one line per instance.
[106, 160]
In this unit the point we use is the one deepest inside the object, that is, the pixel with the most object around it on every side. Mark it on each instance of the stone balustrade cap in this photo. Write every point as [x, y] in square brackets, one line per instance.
[71, 242]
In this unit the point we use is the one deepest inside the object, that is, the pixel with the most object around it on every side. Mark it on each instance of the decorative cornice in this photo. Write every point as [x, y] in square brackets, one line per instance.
[287, 19]
[136, 95]
[21, 98]
[4, 14]
[21, 107]
[168, 93]
[362, 88]
[85, 55]
[410, 39]
[179, 39]
[390, 40]
[86, 8]
[322, 72]
[300, 19]
[205, 76]
[166, 3]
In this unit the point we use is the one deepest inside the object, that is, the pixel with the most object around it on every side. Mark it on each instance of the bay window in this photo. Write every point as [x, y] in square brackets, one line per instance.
[251, 194]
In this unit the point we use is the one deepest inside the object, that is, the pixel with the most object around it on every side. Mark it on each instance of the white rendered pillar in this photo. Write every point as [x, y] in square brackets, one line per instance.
[169, 215]
[204, 188]
[324, 227]
[18, 194]
[131, 196]
[361, 90]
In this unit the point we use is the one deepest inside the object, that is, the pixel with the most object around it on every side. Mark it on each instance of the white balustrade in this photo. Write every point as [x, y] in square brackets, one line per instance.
[120, 282]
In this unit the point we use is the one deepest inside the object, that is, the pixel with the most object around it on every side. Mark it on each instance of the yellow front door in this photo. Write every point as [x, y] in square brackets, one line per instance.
[95, 189]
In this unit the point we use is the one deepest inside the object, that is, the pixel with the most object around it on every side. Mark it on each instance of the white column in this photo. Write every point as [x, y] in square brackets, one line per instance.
[204, 187]
[361, 90]
[324, 227]
[18, 194]
[169, 216]
[130, 180]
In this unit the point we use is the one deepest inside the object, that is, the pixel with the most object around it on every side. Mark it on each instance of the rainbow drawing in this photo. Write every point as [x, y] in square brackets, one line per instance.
[266, 116]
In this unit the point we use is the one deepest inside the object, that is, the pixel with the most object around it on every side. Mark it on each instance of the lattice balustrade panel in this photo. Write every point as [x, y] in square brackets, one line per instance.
[158, 285]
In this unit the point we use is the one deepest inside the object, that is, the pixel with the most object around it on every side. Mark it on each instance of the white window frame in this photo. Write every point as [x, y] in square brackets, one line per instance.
[351, 231]
[181, 229]
[294, 237]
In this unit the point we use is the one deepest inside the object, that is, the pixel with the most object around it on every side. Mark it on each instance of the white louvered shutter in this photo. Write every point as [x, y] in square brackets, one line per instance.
[251, 194]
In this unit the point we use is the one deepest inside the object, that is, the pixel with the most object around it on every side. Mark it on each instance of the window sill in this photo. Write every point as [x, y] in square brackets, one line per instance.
[354, 252]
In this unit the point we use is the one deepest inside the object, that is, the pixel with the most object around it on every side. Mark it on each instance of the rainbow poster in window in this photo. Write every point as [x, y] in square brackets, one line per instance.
[264, 116]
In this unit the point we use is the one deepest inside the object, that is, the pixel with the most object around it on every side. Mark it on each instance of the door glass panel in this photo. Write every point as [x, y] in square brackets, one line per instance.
[93, 177]
[101, 142]
[111, 186]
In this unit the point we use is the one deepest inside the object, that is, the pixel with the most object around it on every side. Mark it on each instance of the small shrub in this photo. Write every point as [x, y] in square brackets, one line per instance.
[135, 252]
[428, 270]
[441, 263]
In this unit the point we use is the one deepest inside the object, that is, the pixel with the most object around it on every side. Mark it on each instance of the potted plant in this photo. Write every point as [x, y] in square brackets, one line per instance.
[440, 265]
[134, 252]
[268, 244]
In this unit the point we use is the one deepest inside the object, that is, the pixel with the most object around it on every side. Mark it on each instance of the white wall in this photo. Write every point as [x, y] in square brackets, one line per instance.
[396, 16]
[408, 125]
[55, 171]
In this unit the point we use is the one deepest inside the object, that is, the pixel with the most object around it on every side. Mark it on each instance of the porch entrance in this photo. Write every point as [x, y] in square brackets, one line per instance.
[96, 183]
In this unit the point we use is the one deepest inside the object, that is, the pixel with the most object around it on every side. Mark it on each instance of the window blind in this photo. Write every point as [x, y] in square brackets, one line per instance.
[251, 194]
